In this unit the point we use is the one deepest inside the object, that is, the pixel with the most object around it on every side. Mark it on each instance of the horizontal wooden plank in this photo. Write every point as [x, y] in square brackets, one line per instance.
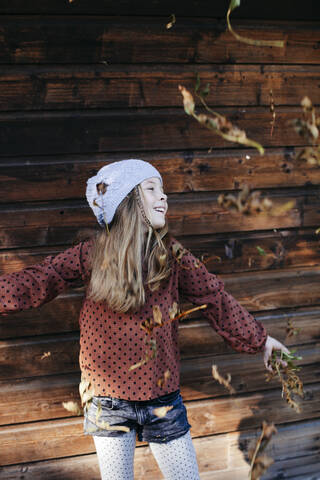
[62, 438]
[60, 88]
[46, 178]
[155, 129]
[221, 253]
[61, 314]
[34, 224]
[287, 9]
[29, 357]
[35, 399]
[96, 39]
[213, 454]
[269, 290]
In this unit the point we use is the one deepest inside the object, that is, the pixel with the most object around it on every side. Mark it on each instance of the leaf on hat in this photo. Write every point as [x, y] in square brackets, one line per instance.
[102, 188]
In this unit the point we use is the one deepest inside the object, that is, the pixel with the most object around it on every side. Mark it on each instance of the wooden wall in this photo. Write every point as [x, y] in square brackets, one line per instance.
[84, 83]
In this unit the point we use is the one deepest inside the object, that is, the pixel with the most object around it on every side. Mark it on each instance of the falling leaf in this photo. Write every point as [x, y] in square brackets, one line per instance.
[103, 425]
[261, 251]
[86, 392]
[157, 315]
[188, 101]
[308, 128]
[219, 124]
[45, 355]
[272, 110]
[172, 21]
[162, 411]
[162, 381]
[249, 203]
[187, 312]
[291, 330]
[223, 381]
[173, 310]
[260, 462]
[152, 344]
[260, 43]
[72, 407]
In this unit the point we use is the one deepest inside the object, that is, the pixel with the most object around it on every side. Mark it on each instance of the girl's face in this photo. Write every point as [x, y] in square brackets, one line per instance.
[154, 201]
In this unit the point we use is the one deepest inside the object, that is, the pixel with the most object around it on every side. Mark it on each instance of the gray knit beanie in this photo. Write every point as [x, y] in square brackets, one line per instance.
[106, 190]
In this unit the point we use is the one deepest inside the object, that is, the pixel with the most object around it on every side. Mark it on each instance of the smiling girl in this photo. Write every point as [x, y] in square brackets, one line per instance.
[129, 356]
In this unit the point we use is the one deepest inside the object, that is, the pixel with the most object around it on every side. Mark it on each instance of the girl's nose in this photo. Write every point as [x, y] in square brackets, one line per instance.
[163, 196]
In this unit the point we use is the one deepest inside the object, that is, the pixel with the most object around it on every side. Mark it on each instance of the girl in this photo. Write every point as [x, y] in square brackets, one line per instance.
[134, 273]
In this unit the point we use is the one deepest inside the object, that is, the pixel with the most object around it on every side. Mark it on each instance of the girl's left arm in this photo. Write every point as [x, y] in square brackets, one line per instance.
[232, 321]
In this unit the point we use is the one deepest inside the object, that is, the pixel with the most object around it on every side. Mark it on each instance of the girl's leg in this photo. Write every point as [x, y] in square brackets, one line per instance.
[115, 456]
[177, 459]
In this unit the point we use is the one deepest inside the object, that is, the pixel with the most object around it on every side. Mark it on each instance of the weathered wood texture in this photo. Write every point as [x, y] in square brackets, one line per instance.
[287, 10]
[186, 171]
[61, 88]
[58, 222]
[86, 83]
[219, 457]
[84, 39]
[159, 129]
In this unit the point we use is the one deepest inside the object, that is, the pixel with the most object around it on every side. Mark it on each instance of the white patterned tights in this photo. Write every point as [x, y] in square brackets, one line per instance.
[176, 459]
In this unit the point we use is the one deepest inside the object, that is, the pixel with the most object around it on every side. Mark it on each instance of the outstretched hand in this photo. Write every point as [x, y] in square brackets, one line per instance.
[270, 345]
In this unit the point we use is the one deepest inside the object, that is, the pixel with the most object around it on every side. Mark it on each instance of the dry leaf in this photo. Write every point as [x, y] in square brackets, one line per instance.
[223, 381]
[157, 315]
[72, 407]
[162, 411]
[259, 43]
[260, 462]
[45, 355]
[101, 188]
[173, 310]
[219, 124]
[187, 312]
[172, 21]
[162, 381]
[291, 383]
[308, 128]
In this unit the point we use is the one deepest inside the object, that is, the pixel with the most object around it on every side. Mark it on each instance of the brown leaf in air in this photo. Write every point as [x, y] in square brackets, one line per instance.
[173, 310]
[162, 381]
[172, 21]
[260, 462]
[223, 381]
[162, 411]
[157, 315]
[72, 407]
[45, 355]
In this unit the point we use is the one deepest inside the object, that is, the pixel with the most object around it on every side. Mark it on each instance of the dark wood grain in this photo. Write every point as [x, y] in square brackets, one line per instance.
[101, 39]
[50, 177]
[57, 438]
[40, 398]
[118, 86]
[54, 223]
[287, 9]
[159, 129]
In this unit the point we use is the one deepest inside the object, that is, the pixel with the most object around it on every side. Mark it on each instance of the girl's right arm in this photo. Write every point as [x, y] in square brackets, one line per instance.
[38, 284]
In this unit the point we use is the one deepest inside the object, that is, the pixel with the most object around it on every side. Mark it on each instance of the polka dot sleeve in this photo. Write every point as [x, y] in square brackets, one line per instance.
[232, 321]
[40, 283]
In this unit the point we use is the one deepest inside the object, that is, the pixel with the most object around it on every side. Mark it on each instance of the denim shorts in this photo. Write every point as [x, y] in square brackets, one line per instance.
[139, 416]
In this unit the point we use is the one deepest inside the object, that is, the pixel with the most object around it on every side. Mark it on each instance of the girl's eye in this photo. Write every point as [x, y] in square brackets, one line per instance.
[150, 188]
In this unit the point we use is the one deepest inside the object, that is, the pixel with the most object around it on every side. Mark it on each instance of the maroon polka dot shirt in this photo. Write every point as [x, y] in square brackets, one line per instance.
[110, 343]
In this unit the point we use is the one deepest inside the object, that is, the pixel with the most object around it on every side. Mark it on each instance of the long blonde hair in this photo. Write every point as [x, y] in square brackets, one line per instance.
[118, 257]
